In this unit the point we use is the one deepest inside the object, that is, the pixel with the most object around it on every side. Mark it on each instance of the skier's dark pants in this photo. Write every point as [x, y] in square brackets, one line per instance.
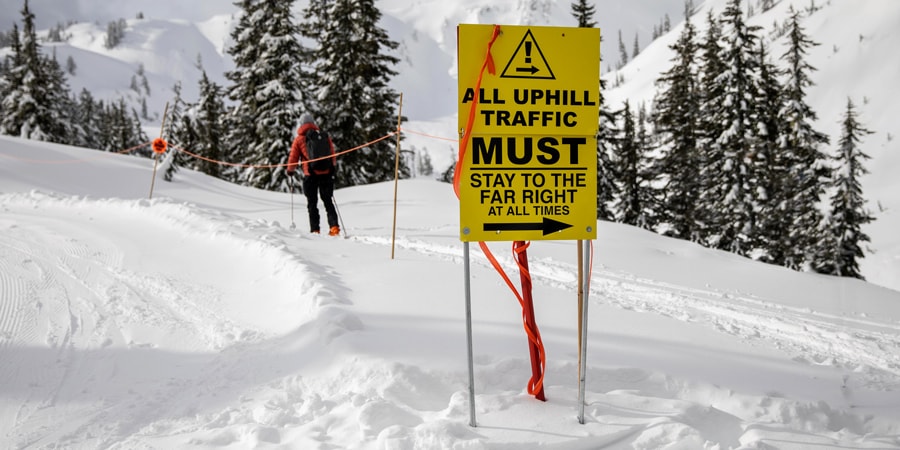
[323, 185]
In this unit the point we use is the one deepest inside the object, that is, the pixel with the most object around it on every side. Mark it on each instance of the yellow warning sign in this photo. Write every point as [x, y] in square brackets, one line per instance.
[529, 171]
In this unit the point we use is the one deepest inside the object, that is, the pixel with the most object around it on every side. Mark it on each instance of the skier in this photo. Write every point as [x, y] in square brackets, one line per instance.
[311, 143]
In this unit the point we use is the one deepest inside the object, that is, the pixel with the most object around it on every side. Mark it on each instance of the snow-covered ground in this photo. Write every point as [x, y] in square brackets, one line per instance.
[201, 319]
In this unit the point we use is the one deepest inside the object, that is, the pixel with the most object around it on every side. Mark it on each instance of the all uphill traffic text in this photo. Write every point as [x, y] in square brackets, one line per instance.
[531, 97]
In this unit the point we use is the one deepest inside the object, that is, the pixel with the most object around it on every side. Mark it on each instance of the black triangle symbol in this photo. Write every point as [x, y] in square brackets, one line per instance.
[528, 61]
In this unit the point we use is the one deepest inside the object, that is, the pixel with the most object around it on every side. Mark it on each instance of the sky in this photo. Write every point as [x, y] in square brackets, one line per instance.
[207, 317]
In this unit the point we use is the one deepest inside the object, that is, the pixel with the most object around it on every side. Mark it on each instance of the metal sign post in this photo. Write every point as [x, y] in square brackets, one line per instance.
[468, 289]
[582, 358]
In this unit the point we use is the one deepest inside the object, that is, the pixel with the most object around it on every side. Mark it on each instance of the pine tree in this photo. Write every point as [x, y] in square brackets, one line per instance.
[174, 160]
[623, 53]
[584, 13]
[735, 171]
[10, 80]
[424, 165]
[689, 9]
[648, 218]
[710, 93]
[677, 123]
[606, 132]
[179, 129]
[634, 204]
[807, 172]
[241, 131]
[267, 92]
[607, 188]
[120, 129]
[115, 32]
[350, 79]
[772, 220]
[58, 102]
[210, 116]
[636, 47]
[85, 117]
[34, 87]
[626, 206]
[843, 228]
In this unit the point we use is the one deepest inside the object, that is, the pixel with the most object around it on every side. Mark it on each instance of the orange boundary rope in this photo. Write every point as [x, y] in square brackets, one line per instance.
[429, 135]
[102, 155]
[272, 166]
[158, 143]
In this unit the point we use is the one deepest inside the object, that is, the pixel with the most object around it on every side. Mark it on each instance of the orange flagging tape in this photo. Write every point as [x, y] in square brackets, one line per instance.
[534, 336]
[536, 382]
[470, 120]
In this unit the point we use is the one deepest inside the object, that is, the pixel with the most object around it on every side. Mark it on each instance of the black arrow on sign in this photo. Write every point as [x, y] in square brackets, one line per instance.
[531, 69]
[547, 226]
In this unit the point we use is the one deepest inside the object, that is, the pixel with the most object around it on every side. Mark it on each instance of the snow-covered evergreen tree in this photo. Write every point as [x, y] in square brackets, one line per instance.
[241, 132]
[85, 118]
[677, 125]
[710, 92]
[606, 132]
[800, 145]
[178, 128]
[266, 90]
[623, 52]
[770, 245]
[120, 129]
[209, 119]
[35, 102]
[734, 173]
[843, 233]
[607, 189]
[634, 205]
[349, 81]
[59, 103]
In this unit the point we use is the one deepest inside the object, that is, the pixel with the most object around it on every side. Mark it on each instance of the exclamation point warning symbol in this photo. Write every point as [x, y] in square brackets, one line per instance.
[528, 61]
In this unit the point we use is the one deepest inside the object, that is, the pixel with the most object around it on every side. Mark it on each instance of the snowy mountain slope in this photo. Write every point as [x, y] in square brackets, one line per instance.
[851, 63]
[200, 318]
[166, 51]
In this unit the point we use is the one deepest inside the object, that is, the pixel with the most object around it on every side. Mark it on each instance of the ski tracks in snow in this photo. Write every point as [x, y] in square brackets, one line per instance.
[865, 347]
[95, 332]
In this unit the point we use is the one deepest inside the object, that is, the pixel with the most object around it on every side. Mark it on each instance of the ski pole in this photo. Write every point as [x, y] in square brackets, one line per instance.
[291, 186]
